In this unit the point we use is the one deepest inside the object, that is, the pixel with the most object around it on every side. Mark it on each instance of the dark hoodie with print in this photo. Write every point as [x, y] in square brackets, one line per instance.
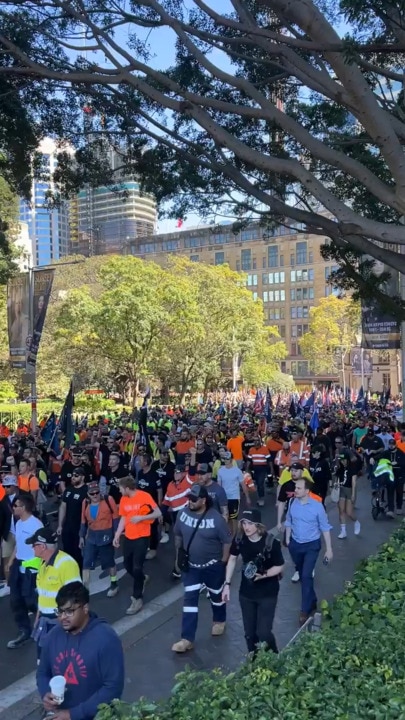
[92, 663]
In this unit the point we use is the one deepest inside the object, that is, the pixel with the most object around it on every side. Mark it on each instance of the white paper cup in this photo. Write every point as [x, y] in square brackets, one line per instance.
[58, 685]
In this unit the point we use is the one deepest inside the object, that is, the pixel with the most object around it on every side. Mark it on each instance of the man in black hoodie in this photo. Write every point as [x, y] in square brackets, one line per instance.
[87, 652]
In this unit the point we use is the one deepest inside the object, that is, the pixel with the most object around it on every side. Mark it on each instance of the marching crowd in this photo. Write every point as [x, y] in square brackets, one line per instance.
[199, 479]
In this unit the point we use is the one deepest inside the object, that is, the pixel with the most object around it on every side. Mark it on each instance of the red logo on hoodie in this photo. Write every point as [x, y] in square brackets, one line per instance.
[75, 668]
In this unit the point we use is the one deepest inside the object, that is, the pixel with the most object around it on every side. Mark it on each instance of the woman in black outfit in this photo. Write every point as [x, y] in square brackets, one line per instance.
[263, 563]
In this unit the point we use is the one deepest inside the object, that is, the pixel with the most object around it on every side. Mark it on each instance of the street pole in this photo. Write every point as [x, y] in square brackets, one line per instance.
[31, 369]
[362, 367]
[402, 284]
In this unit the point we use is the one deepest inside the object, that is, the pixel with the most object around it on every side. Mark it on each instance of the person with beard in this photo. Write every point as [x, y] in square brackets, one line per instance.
[149, 481]
[203, 542]
[115, 472]
[70, 515]
[68, 466]
[164, 469]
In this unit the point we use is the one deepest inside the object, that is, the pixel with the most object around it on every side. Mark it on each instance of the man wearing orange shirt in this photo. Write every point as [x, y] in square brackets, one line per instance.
[234, 445]
[298, 447]
[27, 482]
[137, 511]
[184, 445]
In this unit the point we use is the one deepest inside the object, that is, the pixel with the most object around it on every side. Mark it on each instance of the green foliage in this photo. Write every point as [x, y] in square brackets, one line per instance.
[353, 668]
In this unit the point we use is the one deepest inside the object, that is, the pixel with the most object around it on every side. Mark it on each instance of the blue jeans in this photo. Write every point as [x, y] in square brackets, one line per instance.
[259, 477]
[304, 556]
[213, 577]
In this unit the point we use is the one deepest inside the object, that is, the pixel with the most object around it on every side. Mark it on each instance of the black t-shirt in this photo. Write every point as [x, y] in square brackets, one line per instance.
[113, 477]
[246, 445]
[249, 551]
[67, 470]
[73, 497]
[204, 457]
[345, 476]
[149, 482]
[165, 473]
[287, 491]
[320, 473]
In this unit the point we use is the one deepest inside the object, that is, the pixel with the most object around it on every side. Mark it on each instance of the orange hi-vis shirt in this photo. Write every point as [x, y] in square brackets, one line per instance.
[301, 450]
[259, 456]
[176, 496]
[28, 483]
[235, 447]
[273, 445]
[107, 512]
[183, 446]
[141, 503]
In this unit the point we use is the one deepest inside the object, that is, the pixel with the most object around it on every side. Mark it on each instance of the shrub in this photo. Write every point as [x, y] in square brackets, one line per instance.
[353, 668]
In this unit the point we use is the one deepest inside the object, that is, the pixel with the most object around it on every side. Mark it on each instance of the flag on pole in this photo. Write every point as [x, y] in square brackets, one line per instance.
[314, 421]
[292, 409]
[268, 405]
[48, 434]
[66, 420]
[143, 419]
[310, 403]
[258, 406]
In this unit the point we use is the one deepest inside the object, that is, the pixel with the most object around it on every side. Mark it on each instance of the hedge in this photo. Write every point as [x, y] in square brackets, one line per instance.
[11, 412]
[353, 668]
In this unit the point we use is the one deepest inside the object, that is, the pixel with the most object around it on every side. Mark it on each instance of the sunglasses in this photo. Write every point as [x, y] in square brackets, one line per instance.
[96, 492]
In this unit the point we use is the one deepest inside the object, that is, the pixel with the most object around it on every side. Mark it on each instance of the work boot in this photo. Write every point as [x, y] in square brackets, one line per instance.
[182, 646]
[19, 641]
[218, 629]
[151, 554]
[135, 606]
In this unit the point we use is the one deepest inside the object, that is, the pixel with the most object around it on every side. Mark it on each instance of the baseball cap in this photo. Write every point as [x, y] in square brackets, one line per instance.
[253, 515]
[297, 466]
[9, 481]
[344, 455]
[197, 492]
[42, 535]
[203, 469]
[93, 485]
[180, 468]
[79, 470]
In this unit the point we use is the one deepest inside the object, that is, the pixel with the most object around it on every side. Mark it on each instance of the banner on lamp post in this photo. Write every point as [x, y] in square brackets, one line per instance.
[42, 287]
[18, 318]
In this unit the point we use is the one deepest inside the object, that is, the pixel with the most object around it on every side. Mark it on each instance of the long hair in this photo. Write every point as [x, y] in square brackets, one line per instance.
[261, 529]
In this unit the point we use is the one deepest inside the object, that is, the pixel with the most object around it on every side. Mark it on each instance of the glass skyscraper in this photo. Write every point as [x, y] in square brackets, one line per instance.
[48, 228]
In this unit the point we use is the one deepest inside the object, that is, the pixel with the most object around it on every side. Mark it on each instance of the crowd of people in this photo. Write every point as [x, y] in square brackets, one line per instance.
[199, 479]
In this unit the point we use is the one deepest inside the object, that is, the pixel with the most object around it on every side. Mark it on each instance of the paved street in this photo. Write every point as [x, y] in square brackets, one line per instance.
[147, 644]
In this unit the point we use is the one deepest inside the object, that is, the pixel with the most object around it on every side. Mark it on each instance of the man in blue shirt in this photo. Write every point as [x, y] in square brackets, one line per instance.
[306, 521]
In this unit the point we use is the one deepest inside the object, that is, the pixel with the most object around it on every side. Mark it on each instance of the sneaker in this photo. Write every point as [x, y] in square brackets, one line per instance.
[182, 646]
[4, 591]
[389, 514]
[399, 512]
[218, 629]
[357, 526]
[295, 577]
[260, 502]
[342, 535]
[164, 538]
[113, 591]
[151, 554]
[135, 606]
[21, 640]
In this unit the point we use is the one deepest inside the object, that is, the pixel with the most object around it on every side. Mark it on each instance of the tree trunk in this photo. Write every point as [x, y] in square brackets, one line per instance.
[165, 393]
[134, 385]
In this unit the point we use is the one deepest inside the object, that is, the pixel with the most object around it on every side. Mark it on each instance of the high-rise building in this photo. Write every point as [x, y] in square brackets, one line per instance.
[111, 217]
[48, 228]
[284, 269]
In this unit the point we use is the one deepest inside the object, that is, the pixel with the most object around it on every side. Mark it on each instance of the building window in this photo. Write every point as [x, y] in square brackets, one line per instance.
[293, 331]
[277, 296]
[294, 349]
[265, 296]
[254, 264]
[292, 275]
[282, 277]
[283, 366]
[282, 295]
[293, 313]
[281, 260]
[281, 329]
[292, 260]
[246, 259]
[310, 257]
[301, 253]
[194, 258]
[272, 253]
[251, 280]
[219, 258]
[255, 296]
[271, 295]
[265, 278]
[386, 378]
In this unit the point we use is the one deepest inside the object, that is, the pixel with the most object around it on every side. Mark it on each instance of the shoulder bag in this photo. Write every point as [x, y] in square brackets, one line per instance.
[183, 554]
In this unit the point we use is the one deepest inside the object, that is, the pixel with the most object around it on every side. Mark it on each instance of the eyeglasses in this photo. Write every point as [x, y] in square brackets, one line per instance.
[93, 494]
[69, 612]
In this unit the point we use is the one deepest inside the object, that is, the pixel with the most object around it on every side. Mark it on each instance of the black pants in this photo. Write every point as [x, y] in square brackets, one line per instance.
[154, 535]
[134, 558]
[258, 616]
[23, 596]
[70, 542]
[395, 493]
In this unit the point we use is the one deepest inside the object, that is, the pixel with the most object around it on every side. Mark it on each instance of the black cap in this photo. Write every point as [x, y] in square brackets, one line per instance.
[253, 515]
[78, 470]
[43, 535]
[297, 466]
[197, 491]
[203, 468]
[180, 468]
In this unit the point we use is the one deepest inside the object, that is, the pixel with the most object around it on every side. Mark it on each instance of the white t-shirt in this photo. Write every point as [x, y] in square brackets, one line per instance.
[230, 479]
[23, 530]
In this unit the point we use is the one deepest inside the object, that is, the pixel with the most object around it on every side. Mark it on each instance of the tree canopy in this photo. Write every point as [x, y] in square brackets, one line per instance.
[119, 323]
[333, 326]
[266, 110]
